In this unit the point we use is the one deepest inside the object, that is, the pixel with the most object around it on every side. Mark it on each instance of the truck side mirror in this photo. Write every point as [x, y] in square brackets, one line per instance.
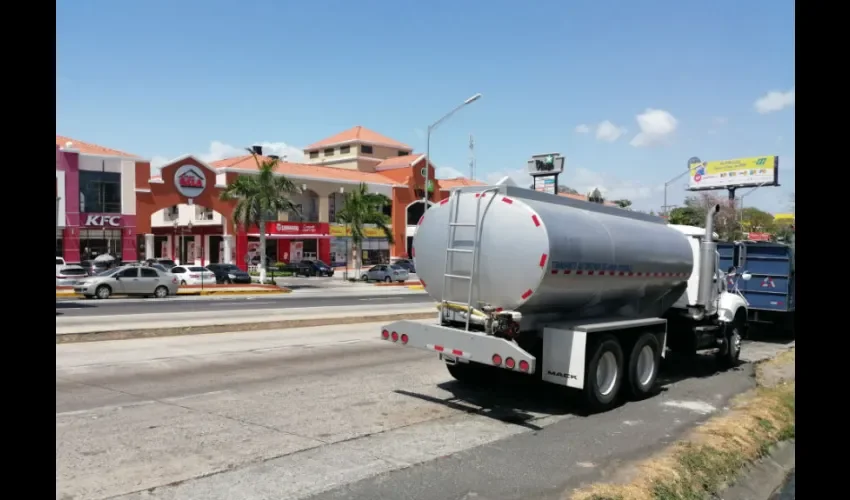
[746, 276]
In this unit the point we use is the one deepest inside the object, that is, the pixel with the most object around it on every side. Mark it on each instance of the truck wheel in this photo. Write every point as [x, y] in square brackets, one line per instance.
[729, 353]
[604, 374]
[644, 362]
[466, 373]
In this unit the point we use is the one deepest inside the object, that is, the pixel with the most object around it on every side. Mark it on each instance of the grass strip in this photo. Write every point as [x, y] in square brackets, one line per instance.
[715, 453]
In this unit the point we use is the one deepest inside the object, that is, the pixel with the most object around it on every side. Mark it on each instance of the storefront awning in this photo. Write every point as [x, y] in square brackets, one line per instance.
[292, 236]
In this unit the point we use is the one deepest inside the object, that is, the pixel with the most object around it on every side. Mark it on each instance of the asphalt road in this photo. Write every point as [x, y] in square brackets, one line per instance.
[67, 308]
[332, 412]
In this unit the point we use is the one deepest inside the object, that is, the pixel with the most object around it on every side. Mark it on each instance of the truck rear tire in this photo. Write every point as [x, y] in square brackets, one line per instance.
[604, 374]
[644, 362]
[467, 373]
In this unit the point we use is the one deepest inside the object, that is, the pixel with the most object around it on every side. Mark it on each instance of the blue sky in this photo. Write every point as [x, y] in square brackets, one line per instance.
[666, 79]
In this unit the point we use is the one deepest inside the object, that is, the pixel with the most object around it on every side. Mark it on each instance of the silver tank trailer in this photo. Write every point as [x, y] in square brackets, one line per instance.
[545, 254]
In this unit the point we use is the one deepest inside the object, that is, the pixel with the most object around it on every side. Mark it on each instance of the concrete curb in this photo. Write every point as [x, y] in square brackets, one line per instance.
[406, 283]
[67, 338]
[765, 477]
[198, 291]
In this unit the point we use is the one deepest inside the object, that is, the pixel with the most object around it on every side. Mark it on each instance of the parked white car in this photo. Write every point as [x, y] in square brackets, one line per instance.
[387, 273]
[60, 263]
[69, 275]
[193, 275]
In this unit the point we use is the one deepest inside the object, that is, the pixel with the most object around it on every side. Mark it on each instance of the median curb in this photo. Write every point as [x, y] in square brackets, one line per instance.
[191, 290]
[98, 336]
[405, 283]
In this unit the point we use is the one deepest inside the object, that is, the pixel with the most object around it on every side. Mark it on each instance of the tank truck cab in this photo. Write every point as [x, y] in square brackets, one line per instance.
[707, 315]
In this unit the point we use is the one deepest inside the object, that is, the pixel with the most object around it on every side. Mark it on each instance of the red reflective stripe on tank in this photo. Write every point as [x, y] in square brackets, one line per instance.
[610, 273]
[554, 271]
[438, 348]
[457, 352]
[579, 271]
[535, 219]
[527, 294]
[499, 309]
[567, 271]
[420, 221]
[444, 201]
[507, 200]
[590, 273]
[413, 252]
[543, 259]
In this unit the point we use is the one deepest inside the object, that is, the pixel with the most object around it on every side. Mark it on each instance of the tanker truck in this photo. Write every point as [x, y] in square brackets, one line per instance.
[577, 294]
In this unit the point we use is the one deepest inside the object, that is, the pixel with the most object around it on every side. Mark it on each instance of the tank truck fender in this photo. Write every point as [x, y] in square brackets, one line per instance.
[729, 306]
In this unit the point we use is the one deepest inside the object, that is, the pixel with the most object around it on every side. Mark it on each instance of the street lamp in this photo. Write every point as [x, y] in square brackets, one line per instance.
[674, 179]
[189, 225]
[176, 241]
[751, 191]
[428, 138]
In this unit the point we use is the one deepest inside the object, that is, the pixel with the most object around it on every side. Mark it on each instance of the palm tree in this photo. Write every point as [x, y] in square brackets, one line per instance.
[259, 198]
[361, 208]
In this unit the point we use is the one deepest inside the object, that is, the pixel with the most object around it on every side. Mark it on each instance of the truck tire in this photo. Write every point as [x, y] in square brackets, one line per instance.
[604, 374]
[467, 373]
[729, 354]
[644, 362]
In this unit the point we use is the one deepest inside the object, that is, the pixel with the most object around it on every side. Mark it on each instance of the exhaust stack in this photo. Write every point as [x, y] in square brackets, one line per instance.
[707, 261]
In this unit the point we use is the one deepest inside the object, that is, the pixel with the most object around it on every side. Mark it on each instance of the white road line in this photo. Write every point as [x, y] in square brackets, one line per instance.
[137, 403]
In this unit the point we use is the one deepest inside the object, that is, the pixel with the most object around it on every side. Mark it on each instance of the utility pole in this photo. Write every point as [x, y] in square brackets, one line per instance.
[471, 158]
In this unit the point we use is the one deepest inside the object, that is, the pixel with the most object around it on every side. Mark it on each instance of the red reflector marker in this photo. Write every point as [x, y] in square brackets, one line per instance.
[385, 334]
[395, 336]
[510, 363]
[523, 365]
[404, 338]
[457, 352]
[438, 348]
[497, 360]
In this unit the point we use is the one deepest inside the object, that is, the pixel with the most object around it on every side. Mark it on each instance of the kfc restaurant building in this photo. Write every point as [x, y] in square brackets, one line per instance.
[96, 212]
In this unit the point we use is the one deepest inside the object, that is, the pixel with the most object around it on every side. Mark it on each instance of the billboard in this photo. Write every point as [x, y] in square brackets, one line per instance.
[545, 185]
[546, 164]
[742, 172]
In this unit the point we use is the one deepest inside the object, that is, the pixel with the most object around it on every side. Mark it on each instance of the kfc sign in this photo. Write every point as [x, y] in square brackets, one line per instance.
[103, 220]
[190, 181]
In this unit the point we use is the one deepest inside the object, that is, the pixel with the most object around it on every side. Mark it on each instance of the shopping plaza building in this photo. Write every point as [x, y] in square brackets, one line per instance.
[108, 202]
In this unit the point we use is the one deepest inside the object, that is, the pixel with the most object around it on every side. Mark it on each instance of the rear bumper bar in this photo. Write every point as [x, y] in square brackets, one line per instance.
[458, 345]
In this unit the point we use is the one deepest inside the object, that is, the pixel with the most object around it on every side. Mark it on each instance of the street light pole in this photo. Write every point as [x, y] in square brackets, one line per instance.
[674, 179]
[428, 139]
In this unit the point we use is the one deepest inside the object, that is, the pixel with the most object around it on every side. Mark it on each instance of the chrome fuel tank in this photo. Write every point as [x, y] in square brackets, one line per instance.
[540, 253]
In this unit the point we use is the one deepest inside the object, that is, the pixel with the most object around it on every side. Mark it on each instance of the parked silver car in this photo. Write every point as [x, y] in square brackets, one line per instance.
[135, 280]
[69, 275]
[387, 273]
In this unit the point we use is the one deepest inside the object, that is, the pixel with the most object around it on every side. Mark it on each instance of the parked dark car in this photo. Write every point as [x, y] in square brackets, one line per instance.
[229, 273]
[320, 267]
[407, 264]
[299, 269]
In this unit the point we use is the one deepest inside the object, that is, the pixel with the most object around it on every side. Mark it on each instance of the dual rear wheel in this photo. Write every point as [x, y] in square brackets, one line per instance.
[608, 370]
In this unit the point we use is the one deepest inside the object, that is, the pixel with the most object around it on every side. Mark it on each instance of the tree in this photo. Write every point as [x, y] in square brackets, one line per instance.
[624, 203]
[687, 216]
[259, 198]
[755, 220]
[726, 223]
[595, 196]
[566, 189]
[361, 208]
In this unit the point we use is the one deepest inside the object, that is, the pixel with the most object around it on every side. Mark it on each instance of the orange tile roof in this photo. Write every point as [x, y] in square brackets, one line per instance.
[399, 162]
[88, 148]
[358, 134]
[458, 182]
[299, 170]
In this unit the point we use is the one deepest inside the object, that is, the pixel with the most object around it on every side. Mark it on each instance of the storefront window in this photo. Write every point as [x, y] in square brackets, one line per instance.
[60, 248]
[100, 192]
[94, 242]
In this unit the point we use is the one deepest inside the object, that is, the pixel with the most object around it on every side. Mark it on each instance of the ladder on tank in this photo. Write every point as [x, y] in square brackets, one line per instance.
[454, 209]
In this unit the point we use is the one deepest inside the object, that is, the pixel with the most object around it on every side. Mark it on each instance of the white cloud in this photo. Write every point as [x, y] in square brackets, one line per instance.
[656, 126]
[582, 129]
[608, 132]
[775, 100]
[219, 151]
[448, 173]
[585, 180]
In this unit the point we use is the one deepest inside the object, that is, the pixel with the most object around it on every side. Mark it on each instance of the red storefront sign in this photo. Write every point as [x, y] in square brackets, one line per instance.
[305, 229]
[758, 236]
